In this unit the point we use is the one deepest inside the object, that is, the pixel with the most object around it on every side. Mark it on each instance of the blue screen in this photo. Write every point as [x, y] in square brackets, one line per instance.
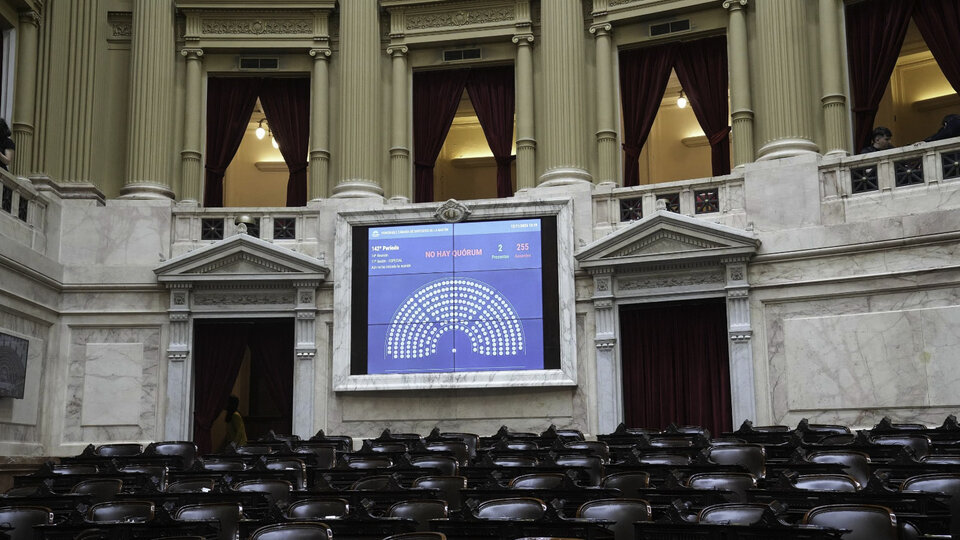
[455, 297]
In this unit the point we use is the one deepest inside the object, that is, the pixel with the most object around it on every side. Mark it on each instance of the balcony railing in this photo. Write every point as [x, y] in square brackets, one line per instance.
[22, 212]
[288, 227]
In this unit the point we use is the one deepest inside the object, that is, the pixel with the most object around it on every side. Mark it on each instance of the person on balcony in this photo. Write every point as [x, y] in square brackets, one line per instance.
[6, 145]
[880, 139]
[950, 128]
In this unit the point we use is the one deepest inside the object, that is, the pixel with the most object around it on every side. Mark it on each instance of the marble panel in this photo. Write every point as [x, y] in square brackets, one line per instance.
[112, 376]
[19, 417]
[793, 182]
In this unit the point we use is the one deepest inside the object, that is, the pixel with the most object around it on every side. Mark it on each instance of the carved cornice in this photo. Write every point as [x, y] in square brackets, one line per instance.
[606, 344]
[243, 299]
[256, 26]
[121, 25]
[741, 336]
[260, 261]
[680, 280]
[469, 14]
[30, 16]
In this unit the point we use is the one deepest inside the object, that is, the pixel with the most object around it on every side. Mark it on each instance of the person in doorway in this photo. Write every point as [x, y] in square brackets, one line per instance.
[6, 145]
[236, 433]
[949, 128]
[880, 139]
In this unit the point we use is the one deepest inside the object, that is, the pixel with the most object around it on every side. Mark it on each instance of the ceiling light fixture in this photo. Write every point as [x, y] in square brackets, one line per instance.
[682, 100]
[261, 133]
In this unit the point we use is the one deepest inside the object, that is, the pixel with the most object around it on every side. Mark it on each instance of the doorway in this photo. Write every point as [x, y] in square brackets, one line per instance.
[675, 365]
[249, 358]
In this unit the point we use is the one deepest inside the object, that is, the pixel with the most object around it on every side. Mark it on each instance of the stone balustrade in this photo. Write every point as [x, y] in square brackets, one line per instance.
[293, 228]
[22, 212]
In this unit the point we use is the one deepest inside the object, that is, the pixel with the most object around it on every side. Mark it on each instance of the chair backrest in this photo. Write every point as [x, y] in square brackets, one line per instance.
[223, 465]
[827, 482]
[344, 442]
[228, 514]
[319, 508]
[836, 439]
[398, 447]
[732, 513]
[255, 449]
[369, 462]
[472, 440]
[119, 450]
[736, 482]
[192, 485]
[856, 464]
[941, 459]
[596, 448]
[277, 490]
[672, 442]
[185, 450]
[664, 459]
[418, 536]
[592, 464]
[445, 465]
[622, 512]
[630, 483]
[293, 531]
[751, 457]
[297, 467]
[419, 510]
[75, 468]
[373, 483]
[544, 480]
[325, 454]
[99, 489]
[918, 442]
[22, 519]
[948, 483]
[515, 461]
[519, 445]
[457, 449]
[121, 511]
[865, 522]
[511, 508]
[448, 486]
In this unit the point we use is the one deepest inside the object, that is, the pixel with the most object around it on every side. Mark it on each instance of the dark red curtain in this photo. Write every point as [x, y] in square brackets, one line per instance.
[217, 355]
[230, 102]
[675, 365]
[702, 69]
[939, 24]
[875, 32]
[286, 104]
[643, 79]
[492, 95]
[436, 95]
[271, 361]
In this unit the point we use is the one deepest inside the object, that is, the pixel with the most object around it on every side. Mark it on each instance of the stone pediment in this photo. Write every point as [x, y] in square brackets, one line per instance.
[241, 258]
[668, 239]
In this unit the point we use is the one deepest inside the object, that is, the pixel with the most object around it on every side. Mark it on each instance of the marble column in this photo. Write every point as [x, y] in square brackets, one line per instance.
[787, 117]
[400, 179]
[179, 365]
[741, 104]
[526, 143]
[606, 127]
[359, 99]
[833, 99]
[609, 403]
[742, 387]
[191, 166]
[565, 127]
[151, 102]
[26, 91]
[320, 125]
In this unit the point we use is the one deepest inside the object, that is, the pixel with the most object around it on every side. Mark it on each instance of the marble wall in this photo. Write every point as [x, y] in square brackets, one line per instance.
[20, 418]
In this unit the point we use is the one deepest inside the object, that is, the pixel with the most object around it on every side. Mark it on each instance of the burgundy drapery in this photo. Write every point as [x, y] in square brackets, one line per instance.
[492, 95]
[217, 355]
[436, 95]
[643, 80]
[702, 69]
[939, 24]
[286, 104]
[271, 360]
[875, 33]
[230, 102]
[675, 365]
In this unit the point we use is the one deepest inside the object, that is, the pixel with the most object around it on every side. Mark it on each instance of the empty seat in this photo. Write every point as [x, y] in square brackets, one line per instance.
[325, 454]
[827, 482]
[192, 485]
[343, 443]
[293, 531]
[732, 513]
[738, 483]
[369, 462]
[457, 449]
[941, 459]
[255, 449]
[544, 480]
[448, 486]
[224, 465]
[750, 457]
[184, 450]
[593, 466]
[664, 459]
[511, 508]
[278, 491]
[515, 461]
[374, 483]
[865, 522]
[622, 512]
[596, 448]
[99, 489]
[445, 465]
[518, 445]
[837, 439]
[22, 519]
[297, 469]
[917, 442]
[318, 508]
[948, 483]
[75, 468]
[630, 483]
[121, 512]
[855, 464]
[227, 514]
[418, 536]
[119, 450]
[472, 440]
[419, 510]
[388, 447]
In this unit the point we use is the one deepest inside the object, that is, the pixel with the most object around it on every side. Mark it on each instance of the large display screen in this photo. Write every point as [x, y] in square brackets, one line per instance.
[454, 297]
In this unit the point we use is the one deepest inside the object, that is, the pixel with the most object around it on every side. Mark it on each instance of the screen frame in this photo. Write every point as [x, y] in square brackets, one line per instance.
[351, 239]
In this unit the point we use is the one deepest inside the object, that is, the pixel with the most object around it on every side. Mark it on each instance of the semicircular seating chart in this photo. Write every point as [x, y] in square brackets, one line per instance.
[455, 304]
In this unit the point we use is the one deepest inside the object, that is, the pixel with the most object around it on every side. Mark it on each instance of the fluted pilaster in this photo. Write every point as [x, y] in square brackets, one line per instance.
[606, 130]
[26, 91]
[787, 119]
[151, 102]
[526, 143]
[360, 106]
[833, 99]
[79, 118]
[320, 125]
[191, 167]
[400, 179]
[741, 103]
[564, 139]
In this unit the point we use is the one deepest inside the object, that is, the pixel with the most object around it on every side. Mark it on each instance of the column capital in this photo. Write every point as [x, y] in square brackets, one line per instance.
[734, 5]
[397, 50]
[601, 29]
[30, 16]
[320, 54]
[523, 39]
[191, 53]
